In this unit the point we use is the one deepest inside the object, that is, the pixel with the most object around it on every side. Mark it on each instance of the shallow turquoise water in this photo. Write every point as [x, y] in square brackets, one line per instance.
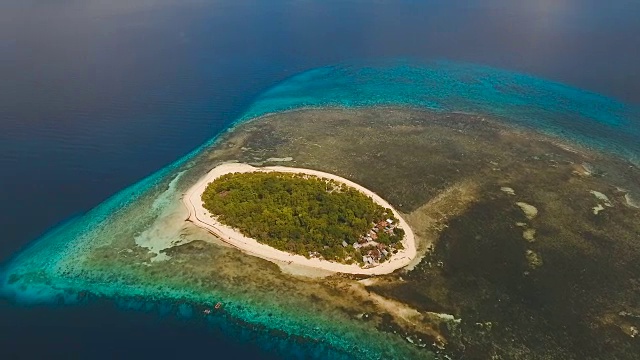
[563, 111]
[555, 108]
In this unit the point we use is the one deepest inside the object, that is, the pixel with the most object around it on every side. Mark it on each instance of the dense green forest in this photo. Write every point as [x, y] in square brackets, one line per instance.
[298, 213]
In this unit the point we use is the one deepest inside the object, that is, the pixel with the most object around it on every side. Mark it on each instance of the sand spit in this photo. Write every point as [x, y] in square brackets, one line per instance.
[163, 234]
[202, 218]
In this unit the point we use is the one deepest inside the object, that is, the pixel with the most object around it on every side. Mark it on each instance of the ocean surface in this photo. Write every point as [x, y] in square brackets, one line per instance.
[96, 95]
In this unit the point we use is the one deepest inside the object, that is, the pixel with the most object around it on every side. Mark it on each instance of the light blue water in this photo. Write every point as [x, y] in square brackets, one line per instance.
[520, 99]
[555, 108]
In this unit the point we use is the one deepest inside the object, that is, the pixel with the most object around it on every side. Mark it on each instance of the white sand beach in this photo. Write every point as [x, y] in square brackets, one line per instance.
[199, 216]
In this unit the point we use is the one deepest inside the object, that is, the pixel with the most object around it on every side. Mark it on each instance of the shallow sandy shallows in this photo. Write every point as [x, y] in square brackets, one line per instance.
[202, 218]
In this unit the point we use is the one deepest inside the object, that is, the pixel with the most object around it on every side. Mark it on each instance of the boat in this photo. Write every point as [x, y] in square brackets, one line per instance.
[218, 305]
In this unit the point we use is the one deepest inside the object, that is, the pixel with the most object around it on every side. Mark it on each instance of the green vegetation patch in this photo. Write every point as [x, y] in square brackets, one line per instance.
[305, 215]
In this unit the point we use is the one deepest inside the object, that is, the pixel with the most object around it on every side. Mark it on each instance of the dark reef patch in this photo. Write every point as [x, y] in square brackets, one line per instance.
[556, 294]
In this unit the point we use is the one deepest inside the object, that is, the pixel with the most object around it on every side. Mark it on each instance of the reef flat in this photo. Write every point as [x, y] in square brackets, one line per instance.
[513, 261]
[516, 251]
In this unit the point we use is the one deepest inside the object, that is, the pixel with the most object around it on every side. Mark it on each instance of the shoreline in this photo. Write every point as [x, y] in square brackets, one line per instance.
[200, 217]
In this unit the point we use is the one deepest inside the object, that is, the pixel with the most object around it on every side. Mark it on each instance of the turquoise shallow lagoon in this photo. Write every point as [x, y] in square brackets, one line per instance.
[59, 267]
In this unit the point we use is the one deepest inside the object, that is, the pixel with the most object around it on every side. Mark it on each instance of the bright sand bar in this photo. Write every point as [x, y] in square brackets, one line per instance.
[202, 218]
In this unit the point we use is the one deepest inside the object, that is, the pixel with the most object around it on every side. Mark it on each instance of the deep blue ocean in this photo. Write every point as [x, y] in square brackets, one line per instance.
[95, 95]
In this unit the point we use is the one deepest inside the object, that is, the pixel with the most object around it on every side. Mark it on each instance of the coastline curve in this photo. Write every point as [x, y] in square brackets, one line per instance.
[200, 217]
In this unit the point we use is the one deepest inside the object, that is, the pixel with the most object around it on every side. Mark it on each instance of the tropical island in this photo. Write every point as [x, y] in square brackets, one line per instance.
[305, 215]
[526, 243]
[301, 216]
[499, 216]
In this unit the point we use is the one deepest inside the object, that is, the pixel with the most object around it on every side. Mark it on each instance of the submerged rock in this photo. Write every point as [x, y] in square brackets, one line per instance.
[530, 211]
[508, 190]
[587, 169]
[632, 201]
[533, 259]
[529, 235]
[597, 209]
[602, 197]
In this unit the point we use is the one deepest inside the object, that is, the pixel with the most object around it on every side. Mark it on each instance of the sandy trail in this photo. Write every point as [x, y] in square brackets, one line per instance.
[202, 218]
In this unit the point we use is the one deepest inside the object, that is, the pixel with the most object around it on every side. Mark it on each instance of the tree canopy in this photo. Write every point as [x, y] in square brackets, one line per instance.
[297, 213]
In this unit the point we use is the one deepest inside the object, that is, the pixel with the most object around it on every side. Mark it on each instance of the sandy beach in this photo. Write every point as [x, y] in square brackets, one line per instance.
[199, 216]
